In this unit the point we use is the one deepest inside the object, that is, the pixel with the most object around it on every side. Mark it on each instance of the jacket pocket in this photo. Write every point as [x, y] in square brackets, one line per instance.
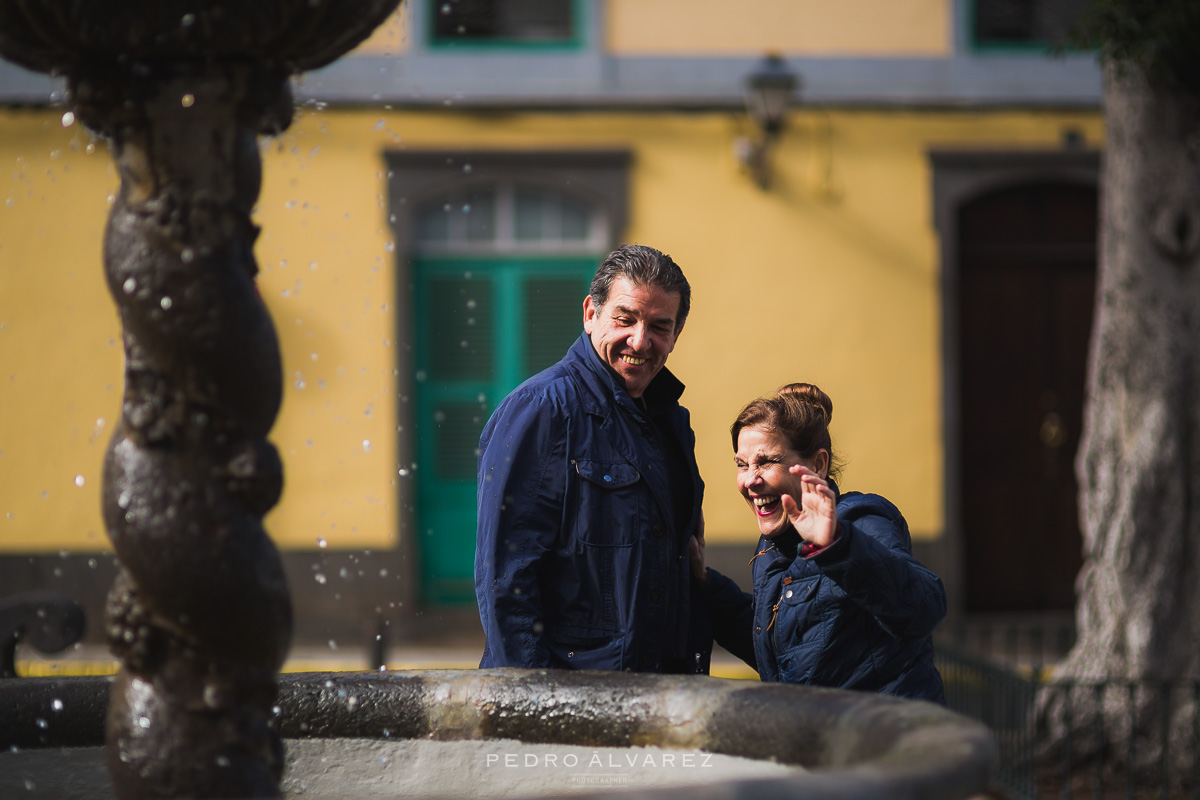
[800, 632]
[609, 512]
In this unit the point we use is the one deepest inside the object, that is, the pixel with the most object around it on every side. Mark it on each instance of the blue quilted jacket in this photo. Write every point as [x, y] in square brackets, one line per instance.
[857, 615]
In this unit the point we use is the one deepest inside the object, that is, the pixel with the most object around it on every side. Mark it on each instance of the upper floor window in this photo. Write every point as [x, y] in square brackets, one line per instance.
[504, 22]
[506, 217]
[1024, 24]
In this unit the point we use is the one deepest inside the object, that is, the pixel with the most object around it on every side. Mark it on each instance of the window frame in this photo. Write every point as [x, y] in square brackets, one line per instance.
[967, 10]
[579, 38]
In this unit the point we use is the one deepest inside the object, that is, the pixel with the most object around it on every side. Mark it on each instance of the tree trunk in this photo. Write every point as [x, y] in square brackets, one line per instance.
[1138, 610]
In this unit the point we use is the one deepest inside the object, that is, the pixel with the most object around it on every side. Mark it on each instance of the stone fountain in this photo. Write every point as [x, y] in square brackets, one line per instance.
[199, 613]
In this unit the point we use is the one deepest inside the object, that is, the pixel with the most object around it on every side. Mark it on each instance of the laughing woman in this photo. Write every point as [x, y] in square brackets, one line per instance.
[838, 598]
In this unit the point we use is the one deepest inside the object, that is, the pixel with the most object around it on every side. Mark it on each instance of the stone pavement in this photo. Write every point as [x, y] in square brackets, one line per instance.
[460, 652]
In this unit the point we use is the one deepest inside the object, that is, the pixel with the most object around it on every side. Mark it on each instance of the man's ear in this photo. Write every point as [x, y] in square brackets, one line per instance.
[589, 314]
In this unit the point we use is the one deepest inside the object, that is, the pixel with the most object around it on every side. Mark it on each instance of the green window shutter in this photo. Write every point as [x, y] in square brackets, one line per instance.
[461, 346]
[456, 448]
[553, 319]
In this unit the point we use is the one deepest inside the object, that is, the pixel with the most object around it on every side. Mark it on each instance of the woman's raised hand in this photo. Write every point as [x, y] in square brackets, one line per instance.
[815, 518]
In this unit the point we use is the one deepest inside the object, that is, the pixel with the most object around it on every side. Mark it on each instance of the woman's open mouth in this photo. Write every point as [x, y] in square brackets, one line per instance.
[765, 505]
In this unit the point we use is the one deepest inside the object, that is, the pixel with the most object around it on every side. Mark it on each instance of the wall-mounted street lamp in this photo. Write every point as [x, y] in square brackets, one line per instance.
[769, 90]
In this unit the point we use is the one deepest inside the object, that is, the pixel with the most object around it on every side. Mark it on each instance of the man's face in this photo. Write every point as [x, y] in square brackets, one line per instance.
[634, 331]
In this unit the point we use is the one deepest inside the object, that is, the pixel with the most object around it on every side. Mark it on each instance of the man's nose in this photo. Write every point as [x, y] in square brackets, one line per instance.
[637, 336]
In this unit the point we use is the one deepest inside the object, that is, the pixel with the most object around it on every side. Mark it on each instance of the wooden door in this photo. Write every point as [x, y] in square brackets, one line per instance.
[1027, 284]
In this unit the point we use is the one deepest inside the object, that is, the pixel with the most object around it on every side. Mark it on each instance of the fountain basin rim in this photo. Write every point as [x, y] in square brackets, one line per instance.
[856, 745]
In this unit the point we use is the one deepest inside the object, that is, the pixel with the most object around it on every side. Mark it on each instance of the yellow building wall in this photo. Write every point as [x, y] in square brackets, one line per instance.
[795, 27]
[920, 28]
[830, 277]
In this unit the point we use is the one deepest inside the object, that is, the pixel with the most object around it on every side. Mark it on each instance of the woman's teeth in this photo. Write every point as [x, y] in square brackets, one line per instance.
[764, 504]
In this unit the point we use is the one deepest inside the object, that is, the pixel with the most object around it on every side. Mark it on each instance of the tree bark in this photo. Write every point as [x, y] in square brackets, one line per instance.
[1138, 609]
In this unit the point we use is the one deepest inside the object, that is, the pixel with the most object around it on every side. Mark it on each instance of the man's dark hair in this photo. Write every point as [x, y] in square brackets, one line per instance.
[643, 266]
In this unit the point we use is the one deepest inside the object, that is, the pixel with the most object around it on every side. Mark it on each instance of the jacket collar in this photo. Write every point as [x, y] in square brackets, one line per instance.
[662, 393]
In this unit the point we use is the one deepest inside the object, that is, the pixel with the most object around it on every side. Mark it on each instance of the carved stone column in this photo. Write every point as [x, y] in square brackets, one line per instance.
[199, 614]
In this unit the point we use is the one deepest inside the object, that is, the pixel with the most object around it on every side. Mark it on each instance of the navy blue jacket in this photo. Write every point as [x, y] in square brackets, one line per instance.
[858, 614]
[580, 561]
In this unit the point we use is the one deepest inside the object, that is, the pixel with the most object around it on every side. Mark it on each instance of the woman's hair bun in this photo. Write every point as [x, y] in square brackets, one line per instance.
[808, 394]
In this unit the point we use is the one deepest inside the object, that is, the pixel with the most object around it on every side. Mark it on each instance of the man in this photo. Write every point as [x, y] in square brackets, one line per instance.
[589, 492]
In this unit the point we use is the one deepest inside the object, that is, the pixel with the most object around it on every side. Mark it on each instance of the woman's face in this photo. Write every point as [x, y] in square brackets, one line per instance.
[763, 457]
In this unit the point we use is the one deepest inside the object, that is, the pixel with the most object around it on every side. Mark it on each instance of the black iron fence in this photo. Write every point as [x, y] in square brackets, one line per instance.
[1108, 739]
[1003, 700]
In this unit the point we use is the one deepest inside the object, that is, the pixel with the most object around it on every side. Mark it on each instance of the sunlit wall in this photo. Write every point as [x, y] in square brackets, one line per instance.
[831, 277]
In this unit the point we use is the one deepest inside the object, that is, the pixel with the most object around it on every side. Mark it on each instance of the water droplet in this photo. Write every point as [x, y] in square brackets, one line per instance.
[56, 704]
[390, 246]
[187, 255]
[143, 722]
[41, 723]
[351, 703]
[332, 644]
[79, 480]
[321, 543]
[187, 20]
[320, 578]
[402, 472]
[30, 785]
[166, 303]
[383, 573]
[366, 445]
[130, 286]
[68, 119]
[471, 305]
[124, 499]
[467, 168]
[222, 761]
[379, 125]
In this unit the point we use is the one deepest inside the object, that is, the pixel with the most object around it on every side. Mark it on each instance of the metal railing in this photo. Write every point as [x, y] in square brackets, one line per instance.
[1148, 752]
[1003, 700]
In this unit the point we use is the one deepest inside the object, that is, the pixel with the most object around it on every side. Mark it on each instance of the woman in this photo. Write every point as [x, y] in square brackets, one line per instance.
[838, 598]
